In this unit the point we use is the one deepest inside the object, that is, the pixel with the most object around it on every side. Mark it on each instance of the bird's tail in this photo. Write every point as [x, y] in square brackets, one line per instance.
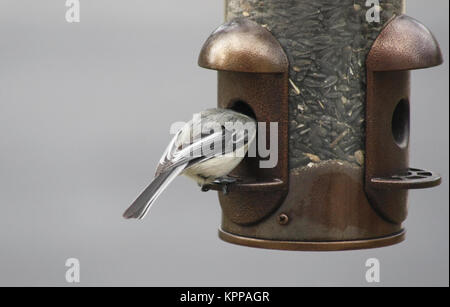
[142, 204]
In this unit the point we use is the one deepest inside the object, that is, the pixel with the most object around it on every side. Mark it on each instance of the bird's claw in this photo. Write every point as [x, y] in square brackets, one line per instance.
[205, 188]
[225, 182]
[225, 189]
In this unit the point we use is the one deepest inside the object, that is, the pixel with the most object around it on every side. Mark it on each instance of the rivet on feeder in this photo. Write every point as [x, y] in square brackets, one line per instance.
[283, 219]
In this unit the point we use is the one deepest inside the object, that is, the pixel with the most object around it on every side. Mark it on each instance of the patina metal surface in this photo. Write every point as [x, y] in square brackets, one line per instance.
[253, 79]
[410, 179]
[403, 45]
[343, 110]
[326, 202]
[313, 246]
[243, 46]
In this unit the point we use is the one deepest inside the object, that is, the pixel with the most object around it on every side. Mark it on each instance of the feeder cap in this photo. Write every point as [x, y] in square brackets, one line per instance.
[404, 44]
[242, 45]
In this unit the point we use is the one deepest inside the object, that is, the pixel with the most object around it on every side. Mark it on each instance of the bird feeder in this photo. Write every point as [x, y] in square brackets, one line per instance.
[335, 76]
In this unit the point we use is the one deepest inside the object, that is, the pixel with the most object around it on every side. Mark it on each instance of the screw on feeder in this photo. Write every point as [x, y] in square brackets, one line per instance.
[283, 219]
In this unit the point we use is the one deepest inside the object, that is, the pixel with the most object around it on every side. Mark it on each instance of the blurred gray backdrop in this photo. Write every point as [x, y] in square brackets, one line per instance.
[84, 116]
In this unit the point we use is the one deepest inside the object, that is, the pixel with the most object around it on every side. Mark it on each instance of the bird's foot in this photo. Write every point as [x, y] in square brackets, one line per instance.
[225, 182]
[205, 188]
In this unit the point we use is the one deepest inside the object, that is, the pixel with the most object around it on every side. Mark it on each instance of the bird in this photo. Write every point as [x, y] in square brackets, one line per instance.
[206, 149]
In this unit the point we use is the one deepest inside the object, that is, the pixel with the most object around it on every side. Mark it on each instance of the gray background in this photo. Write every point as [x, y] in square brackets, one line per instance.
[84, 116]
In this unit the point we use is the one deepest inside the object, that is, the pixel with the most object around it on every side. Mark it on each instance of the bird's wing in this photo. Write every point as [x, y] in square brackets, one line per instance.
[180, 159]
[186, 149]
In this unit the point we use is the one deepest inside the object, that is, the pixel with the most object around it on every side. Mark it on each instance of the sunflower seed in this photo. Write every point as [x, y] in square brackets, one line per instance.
[326, 42]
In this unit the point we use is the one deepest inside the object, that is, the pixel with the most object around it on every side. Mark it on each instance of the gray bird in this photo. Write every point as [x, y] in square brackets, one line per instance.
[206, 150]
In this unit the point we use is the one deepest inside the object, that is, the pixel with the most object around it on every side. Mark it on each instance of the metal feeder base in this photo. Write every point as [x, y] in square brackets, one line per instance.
[313, 246]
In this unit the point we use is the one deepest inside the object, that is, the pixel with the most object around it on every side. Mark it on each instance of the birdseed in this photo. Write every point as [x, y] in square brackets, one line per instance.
[327, 42]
